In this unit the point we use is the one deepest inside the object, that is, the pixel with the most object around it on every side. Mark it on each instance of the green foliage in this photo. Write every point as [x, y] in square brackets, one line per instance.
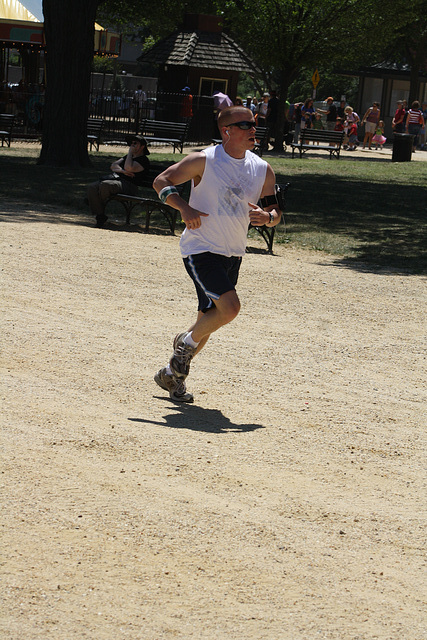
[14, 59]
[148, 43]
[331, 84]
[247, 86]
[103, 64]
[410, 46]
[283, 36]
[286, 36]
[161, 17]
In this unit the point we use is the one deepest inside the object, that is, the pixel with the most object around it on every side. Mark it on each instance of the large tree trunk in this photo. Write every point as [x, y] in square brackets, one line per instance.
[69, 31]
[414, 81]
[417, 56]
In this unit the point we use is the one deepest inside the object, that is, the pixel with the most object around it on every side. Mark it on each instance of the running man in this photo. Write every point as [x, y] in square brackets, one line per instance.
[228, 180]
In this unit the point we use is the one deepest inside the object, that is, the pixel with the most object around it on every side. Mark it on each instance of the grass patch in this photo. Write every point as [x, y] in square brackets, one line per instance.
[364, 210]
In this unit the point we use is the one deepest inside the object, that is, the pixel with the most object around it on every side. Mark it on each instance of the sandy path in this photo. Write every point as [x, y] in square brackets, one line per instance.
[287, 503]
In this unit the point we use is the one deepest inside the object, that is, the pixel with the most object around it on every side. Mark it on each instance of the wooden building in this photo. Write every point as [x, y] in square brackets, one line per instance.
[200, 56]
[386, 83]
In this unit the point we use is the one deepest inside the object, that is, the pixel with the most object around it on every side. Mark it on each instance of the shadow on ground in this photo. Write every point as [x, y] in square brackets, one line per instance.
[385, 224]
[194, 418]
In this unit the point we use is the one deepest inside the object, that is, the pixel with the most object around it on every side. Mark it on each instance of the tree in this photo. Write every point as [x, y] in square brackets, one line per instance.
[288, 36]
[157, 19]
[411, 47]
[69, 32]
[331, 84]
[284, 37]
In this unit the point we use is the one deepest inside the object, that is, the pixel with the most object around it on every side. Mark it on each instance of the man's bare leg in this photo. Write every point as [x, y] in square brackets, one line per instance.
[228, 305]
[187, 344]
[223, 312]
[204, 340]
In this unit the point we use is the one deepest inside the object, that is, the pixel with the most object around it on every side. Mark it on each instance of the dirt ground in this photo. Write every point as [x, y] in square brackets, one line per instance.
[286, 503]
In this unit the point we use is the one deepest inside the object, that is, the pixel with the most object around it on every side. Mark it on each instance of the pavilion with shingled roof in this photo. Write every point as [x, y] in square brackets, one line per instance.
[200, 56]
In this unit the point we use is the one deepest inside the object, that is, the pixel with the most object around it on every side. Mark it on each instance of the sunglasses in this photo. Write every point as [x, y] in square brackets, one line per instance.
[244, 124]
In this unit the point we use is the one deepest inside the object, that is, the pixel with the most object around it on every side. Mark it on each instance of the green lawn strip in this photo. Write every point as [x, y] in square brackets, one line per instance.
[364, 211]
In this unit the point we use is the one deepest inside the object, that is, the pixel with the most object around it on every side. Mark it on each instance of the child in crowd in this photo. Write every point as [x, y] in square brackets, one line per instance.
[379, 138]
[339, 125]
[352, 136]
[317, 123]
[351, 117]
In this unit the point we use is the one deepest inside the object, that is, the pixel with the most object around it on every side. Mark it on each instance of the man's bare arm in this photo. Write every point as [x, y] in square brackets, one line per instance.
[258, 216]
[190, 168]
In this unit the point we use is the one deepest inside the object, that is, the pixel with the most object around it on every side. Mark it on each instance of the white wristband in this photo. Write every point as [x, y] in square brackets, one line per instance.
[166, 192]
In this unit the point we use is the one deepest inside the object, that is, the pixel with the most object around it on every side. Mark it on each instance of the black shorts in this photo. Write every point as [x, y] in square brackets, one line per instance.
[213, 275]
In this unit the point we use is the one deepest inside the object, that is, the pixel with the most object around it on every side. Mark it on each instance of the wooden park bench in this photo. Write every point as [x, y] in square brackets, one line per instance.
[328, 141]
[261, 137]
[7, 121]
[94, 130]
[151, 205]
[173, 133]
[148, 206]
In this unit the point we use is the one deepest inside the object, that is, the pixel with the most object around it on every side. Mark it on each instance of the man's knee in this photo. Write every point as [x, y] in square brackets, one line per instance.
[229, 305]
[106, 191]
[93, 188]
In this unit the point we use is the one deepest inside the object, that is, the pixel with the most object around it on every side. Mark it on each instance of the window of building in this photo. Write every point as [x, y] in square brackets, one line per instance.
[207, 86]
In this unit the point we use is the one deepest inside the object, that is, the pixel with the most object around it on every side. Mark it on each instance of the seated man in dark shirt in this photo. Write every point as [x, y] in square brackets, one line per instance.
[128, 174]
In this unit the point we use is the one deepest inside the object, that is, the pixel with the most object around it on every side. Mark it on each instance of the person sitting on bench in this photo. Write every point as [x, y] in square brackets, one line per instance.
[127, 176]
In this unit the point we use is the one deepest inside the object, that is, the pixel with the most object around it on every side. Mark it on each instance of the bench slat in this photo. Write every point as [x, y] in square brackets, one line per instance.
[7, 121]
[93, 131]
[173, 133]
[335, 138]
[149, 205]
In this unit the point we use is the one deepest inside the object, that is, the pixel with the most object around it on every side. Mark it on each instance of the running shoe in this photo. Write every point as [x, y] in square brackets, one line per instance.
[175, 386]
[182, 356]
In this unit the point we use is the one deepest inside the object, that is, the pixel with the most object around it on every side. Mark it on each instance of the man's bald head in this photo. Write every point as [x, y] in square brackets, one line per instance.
[233, 114]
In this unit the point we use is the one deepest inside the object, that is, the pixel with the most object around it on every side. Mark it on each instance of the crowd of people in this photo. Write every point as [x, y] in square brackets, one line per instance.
[27, 102]
[299, 115]
[412, 121]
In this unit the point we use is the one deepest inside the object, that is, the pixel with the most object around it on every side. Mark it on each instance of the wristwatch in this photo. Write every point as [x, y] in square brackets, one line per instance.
[271, 216]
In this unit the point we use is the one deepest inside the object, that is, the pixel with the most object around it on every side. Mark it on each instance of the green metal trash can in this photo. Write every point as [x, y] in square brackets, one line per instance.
[402, 147]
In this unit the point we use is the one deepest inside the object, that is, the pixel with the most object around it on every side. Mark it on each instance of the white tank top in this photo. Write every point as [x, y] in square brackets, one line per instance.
[227, 186]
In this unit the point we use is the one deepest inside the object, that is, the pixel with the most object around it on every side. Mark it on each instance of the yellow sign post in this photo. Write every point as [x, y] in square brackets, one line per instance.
[315, 80]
